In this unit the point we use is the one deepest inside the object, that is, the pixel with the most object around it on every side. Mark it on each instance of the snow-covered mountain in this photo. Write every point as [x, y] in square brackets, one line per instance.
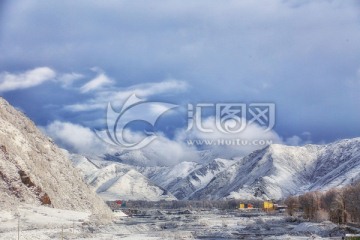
[34, 170]
[149, 157]
[273, 172]
[167, 177]
[187, 177]
[338, 165]
[114, 180]
[278, 171]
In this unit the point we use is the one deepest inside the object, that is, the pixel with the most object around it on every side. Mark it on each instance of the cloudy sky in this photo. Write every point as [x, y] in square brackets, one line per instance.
[62, 62]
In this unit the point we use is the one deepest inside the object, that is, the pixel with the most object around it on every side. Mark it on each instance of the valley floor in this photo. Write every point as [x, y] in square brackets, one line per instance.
[48, 223]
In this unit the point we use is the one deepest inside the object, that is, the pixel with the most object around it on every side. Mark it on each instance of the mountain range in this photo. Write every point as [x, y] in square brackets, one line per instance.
[34, 170]
[273, 172]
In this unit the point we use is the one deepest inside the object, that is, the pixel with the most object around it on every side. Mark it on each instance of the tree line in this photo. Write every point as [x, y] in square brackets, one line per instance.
[340, 205]
[193, 204]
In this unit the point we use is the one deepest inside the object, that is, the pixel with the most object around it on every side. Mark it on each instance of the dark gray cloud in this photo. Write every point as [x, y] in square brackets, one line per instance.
[302, 55]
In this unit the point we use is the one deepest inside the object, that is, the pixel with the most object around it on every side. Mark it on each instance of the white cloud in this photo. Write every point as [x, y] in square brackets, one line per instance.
[157, 109]
[150, 89]
[83, 107]
[68, 79]
[238, 144]
[295, 140]
[98, 82]
[171, 152]
[31, 78]
[165, 151]
[82, 140]
[117, 96]
[162, 151]
[75, 138]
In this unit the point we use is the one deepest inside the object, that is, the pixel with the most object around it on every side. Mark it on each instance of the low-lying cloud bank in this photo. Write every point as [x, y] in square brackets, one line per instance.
[185, 146]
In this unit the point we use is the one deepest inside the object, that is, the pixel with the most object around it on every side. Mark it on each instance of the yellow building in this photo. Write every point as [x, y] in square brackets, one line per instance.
[268, 206]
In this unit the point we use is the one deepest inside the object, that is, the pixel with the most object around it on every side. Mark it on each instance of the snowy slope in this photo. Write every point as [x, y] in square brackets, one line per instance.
[198, 178]
[168, 177]
[278, 171]
[86, 167]
[34, 170]
[113, 180]
[134, 186]
[135, 158]
[338, 164]
[270, 173]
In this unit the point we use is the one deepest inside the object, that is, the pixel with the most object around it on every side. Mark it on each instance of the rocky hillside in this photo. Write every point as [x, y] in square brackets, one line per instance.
[34, 170]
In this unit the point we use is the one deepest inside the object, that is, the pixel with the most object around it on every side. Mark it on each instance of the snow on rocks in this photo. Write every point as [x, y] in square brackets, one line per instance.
[35, 171]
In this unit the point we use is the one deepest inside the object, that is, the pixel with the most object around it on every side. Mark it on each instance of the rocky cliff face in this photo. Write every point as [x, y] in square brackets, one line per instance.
[34, 170]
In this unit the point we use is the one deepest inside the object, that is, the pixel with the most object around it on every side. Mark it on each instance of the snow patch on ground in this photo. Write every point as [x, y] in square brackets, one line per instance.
[39, 222]
[316, 228]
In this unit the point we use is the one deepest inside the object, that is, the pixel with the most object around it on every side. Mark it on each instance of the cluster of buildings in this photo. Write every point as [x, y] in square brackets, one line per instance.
[266, 206]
